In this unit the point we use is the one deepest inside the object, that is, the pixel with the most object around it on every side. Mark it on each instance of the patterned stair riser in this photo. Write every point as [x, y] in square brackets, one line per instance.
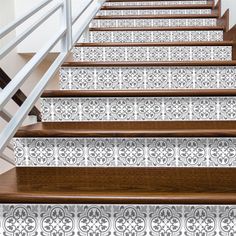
[153, 53]
[154, 36]
[138, 108]
[154, 3]
[117, 220]
[123, 78]
[153, 22]
[125, 152]
[153, 12]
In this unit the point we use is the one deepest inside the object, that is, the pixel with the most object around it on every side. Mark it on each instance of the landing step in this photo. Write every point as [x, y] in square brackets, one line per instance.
[130, 129]
[141, 93]
[118, 186]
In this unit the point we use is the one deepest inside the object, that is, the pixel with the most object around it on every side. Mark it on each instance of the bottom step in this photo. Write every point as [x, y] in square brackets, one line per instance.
[118, 220]
[117, 201]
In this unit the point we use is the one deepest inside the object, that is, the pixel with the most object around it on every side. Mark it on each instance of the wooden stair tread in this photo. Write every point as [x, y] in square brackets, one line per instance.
[148, 63]
[140, 93]
[173, 6]
[119, 185]
[171, 28]
[161, 16]
[130, 129]
[153, 44]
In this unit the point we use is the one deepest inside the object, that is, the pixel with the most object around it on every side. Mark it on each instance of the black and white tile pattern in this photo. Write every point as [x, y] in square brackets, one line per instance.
[123, 78]
[153, 22]
[154, 12]
[154, 36]
[154, 3]
[117, 220]
[153, 53]
[138, 108]
[125, 152]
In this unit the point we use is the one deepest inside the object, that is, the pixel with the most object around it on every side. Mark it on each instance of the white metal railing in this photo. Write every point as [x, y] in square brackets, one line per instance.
[68, 35]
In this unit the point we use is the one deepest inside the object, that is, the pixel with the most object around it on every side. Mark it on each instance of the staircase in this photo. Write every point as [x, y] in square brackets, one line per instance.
[141, 137]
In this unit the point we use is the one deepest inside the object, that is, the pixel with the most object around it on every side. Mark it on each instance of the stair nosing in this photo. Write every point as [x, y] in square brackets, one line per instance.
[182, 28]
[130, 129]
[162, 7]
[170, 16]
[148, 64]
[140, 93]
[156, 44]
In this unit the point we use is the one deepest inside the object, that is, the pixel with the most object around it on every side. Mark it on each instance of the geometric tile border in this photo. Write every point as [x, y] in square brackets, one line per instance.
[138, 108]
[123, 78]
[154, 12]
[153, 53]
[117, 220]
[153, 22]
[154, 36]
[154, 3]
[125, 152]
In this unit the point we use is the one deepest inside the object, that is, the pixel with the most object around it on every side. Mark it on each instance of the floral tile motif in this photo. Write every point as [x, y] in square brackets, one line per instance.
[166, 220]
[126, 152]
[100, 152]
[161, 152]
[222, 152]
[92, 109]
[117, 220]
[227, 217]
[94, 220]
[19, 220]
[130, 220]
[153, 12]
[123, 78]
[57, 220]
[153, 22]
[153, 53]
[139, 108]
[200, 220]
[154, 3]
[130, 152]
[42, 152]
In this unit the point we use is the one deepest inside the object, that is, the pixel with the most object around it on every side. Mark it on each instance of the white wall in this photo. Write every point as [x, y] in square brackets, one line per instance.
[12, 63]
[47, 30]
[229, 4]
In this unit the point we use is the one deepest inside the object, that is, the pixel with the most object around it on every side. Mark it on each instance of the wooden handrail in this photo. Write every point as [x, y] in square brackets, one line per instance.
[19, 97]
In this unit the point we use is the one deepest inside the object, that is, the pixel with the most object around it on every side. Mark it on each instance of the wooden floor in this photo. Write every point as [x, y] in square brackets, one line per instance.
[119, 185]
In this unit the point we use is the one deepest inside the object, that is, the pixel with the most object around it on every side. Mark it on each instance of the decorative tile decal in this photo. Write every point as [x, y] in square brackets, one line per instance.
[125, 152]
[153, 53]
[117, 220]
[154, 36]
[138, 109]
[153, 22]
[154, 12]
[154, 3]
[123, 78]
